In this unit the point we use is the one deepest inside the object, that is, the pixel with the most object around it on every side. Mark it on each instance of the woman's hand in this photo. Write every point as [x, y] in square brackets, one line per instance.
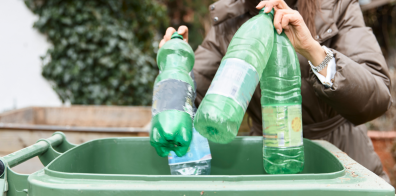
[183, 30]
[296, 30]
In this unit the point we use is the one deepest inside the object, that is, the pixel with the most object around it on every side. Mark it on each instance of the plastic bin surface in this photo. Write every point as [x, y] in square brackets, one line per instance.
[130, 166]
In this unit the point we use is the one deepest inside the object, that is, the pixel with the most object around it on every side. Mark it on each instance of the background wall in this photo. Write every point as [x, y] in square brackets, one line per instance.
[21, 46]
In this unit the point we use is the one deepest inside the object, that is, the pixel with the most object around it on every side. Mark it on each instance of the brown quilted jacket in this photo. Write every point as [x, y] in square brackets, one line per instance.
[360, 90]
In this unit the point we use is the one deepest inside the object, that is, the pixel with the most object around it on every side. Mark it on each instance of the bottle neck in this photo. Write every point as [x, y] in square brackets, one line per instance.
[270, 14]
[176, 35]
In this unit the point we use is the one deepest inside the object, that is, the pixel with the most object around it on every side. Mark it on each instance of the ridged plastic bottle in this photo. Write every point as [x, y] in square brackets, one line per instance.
[221, 112]
[197, 161]
[172, 107]
[280, 84]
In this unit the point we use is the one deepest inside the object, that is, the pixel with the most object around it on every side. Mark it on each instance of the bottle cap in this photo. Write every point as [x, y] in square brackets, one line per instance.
[271, 13]
[176, 35]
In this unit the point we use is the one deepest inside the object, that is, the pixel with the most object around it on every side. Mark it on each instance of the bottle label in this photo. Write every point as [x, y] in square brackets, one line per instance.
[199, 151]
[235, 79]
[282, 126]
[172, 94]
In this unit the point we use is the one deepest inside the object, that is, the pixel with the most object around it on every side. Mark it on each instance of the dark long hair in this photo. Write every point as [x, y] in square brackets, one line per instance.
[308, 9]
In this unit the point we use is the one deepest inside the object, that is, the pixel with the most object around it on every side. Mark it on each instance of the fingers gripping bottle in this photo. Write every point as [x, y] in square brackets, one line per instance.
[221, 112]
[172, 107]
[280, 84]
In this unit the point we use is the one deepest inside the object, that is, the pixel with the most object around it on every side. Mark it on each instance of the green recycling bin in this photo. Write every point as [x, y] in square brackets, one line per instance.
[130, 166]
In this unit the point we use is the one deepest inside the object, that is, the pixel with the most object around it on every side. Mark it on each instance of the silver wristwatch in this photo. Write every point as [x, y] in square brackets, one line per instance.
[329, 56]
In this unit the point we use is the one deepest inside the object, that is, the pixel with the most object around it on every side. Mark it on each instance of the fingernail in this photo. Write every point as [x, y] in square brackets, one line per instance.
[185, 40]
[278, 30]
[266, 10]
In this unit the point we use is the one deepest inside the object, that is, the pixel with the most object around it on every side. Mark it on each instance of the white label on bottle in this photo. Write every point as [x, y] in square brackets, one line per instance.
[235, 79]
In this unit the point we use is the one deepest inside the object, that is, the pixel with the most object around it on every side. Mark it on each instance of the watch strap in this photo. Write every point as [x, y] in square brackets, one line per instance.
[325, 62]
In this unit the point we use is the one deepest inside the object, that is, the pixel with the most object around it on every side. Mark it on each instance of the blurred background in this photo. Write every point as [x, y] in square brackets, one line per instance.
[87, 67]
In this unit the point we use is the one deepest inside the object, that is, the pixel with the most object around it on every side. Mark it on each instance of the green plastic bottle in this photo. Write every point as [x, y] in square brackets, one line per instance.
[220, 114]
[280, 84]
[172, 107]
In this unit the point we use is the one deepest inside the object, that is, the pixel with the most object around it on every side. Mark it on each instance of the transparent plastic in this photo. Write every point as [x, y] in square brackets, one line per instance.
[173, 98]
[196, 161]
[220, 113]
[283, 150]
[192, 168]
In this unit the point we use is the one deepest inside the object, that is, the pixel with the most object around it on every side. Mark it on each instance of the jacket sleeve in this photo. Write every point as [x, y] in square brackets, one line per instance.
[361, 87]
[207, 61]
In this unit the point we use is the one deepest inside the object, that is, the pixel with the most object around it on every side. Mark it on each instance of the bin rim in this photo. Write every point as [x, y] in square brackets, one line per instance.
[266, 177]
[263, 177]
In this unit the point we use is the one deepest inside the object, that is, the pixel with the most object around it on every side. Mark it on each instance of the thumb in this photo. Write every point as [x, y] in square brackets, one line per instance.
[183, 30]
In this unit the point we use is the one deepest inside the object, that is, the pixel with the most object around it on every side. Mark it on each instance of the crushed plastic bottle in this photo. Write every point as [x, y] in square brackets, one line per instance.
[280, 84]
[221, 112]
[197, 161]
[173, 97]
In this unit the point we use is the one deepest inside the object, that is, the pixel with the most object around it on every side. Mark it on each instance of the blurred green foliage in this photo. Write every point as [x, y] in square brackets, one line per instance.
[103, 52]
[194, 14]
